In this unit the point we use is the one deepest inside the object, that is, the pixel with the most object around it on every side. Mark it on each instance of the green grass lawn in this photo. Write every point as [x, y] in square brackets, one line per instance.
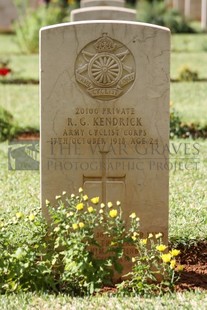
[189, 99]
[185, 301]
[188, 43]
[189, 50]
[21, 188]
[22, 101]
[9, 45]
[188, 196]
[195, 61]
[25, 66]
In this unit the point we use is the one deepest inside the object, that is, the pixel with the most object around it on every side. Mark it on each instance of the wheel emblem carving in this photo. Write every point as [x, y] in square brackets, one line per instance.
[105, 68]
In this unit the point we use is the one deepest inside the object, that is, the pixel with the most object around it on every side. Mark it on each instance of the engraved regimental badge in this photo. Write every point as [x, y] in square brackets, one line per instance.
[105, 68]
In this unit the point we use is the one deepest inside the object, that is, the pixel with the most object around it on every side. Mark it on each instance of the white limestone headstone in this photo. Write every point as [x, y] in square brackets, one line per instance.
[103, 13]
[90, 3]
[105, 116]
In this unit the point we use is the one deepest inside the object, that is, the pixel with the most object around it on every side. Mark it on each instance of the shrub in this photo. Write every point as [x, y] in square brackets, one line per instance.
[23, 265]
[75, 224]
[154, 269]
[7, 125]
[157, 12]
[187, 75]
[27, 28]
[180, 129]
[175, 124]
[59, 255]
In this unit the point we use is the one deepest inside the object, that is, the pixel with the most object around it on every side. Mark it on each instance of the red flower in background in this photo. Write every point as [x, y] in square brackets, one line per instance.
[4, 71]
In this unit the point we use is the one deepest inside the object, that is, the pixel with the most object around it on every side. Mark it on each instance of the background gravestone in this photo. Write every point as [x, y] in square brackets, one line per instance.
[193, 9]
[204, 15]
[103, 10]
[86, 3]
[103, 13]
[105, 116]
[179, 5]
[8, 14]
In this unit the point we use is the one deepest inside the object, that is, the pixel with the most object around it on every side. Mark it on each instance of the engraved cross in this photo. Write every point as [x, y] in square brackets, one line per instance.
[103, 178]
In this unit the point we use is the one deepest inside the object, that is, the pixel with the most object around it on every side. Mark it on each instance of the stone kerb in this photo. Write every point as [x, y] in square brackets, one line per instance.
[90, 3]
[103, 13]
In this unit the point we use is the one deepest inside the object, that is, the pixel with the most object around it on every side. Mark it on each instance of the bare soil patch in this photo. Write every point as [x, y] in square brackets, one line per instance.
[194, 275]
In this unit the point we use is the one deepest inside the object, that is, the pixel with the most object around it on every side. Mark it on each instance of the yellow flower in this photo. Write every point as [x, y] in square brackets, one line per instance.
[113, 243]
[110, 204]
[133, 215]
[19, 215]
[79, 206]
[81, 224]
[159, 235]
[175, 252]
[113, 213]
[69, 214]
[101, 211]
[166, 258]
[180, 268]
[72, 195]
[80, 190]
[102, 205]
[31, 217]
[57, 197]
[137, 219]
[133, 259]
[118, 203]
[135, 234]
[161, 247]
[85, 198]
[172, 264]
[143, 241]
[95, 200]
[47, 202]
[75, 226]
[57, 229]
[90, 209]
[64, 192]
[150, 236]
